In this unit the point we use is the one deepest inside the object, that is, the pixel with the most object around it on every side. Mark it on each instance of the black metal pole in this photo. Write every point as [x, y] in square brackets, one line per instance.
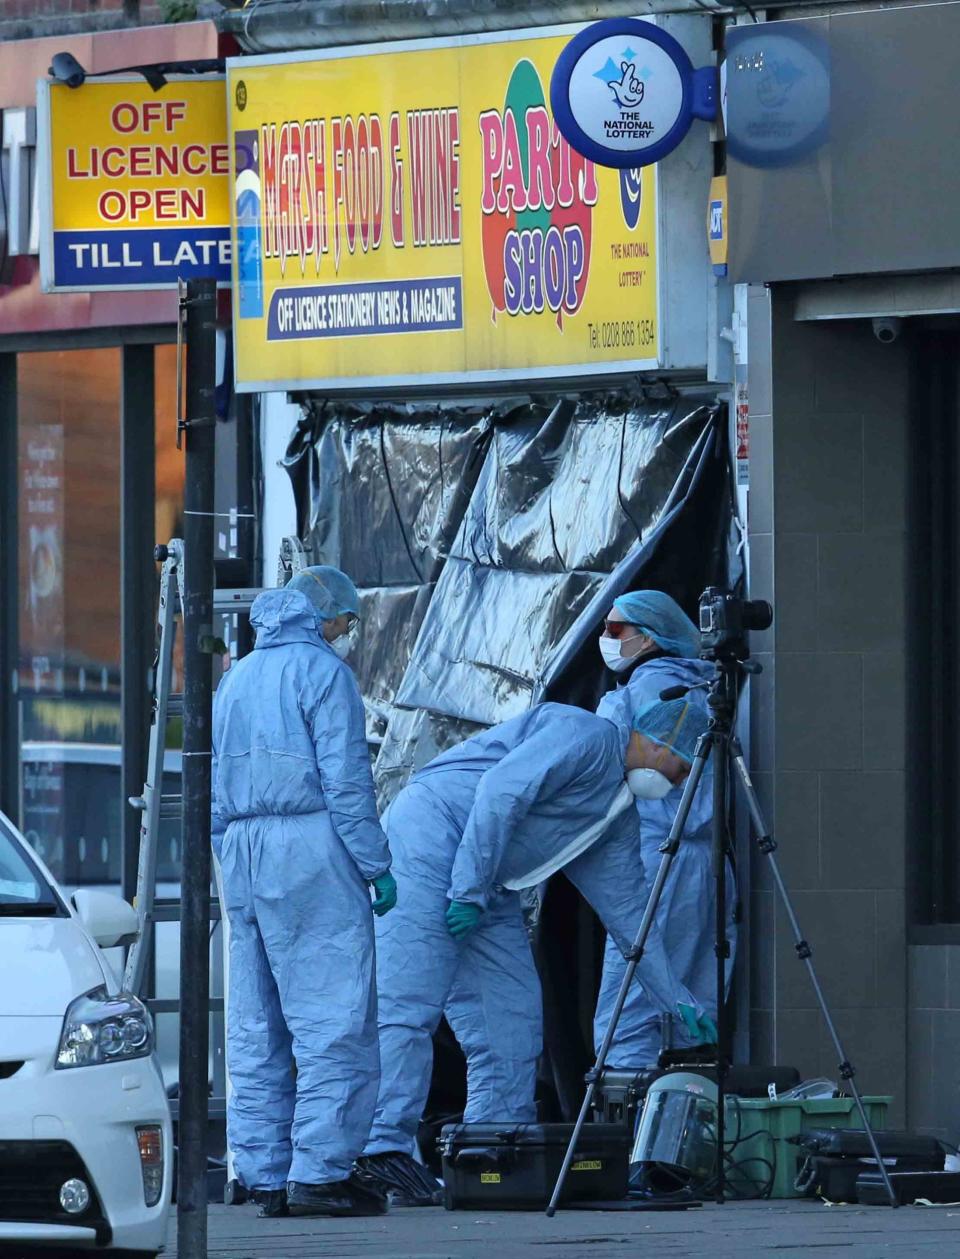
[244, 410]
[197, 591]
[137, 591]
[9, 596]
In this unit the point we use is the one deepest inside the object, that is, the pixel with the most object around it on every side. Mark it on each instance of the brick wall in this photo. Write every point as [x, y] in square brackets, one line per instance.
[33, 19]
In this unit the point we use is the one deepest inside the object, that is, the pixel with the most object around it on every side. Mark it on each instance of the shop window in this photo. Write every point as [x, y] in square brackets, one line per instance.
[69, 469]
[170, 461]
[69, 522]
[69, 472]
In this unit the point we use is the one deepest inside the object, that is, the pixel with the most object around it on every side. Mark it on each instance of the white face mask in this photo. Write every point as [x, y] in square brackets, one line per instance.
[610, 650]
[341, 646]
[344, 644]
[648, 784]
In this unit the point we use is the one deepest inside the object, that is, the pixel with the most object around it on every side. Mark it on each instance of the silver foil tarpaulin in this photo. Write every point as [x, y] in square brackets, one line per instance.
[380, 493]
[489, 541]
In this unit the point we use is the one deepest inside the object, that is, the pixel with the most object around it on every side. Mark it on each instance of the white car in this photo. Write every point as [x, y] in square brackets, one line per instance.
[86, 1144]
[71, 818]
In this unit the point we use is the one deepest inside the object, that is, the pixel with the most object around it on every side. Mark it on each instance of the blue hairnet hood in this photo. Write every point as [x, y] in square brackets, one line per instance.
[663, 619]
[675, 724]
[330, 591]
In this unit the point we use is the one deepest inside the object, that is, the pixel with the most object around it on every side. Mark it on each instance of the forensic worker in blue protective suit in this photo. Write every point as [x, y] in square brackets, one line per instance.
[500, 812]
[651, 644]
[301, 847]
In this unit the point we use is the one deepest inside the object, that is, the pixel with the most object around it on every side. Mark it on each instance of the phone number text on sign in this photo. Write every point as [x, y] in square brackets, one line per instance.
[626, 334]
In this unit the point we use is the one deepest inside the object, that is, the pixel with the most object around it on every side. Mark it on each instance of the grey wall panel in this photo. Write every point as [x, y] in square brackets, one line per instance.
[933, 1038]
[895, 98]
[829, 733]
[878, 192]
[780, 210]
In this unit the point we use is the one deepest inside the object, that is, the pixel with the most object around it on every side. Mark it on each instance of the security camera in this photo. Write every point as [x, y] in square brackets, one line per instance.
[886, 330]
[65, 68]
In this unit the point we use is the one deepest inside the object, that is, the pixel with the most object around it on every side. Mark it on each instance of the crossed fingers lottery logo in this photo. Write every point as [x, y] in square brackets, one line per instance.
[627, 85]
[628, 89]
[624, 93]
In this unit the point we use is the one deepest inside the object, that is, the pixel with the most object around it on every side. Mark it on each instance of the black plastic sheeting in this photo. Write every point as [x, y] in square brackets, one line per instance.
[488, 543]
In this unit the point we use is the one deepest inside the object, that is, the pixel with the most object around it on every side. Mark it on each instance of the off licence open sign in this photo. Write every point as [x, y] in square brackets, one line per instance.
[137, 191]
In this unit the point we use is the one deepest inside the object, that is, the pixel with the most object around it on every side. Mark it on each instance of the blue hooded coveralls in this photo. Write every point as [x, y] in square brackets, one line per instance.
[510, 802]
[293, 789]
[685, 915]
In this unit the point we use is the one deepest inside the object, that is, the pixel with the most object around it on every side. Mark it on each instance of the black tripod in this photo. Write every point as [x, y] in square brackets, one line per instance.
[721, 746]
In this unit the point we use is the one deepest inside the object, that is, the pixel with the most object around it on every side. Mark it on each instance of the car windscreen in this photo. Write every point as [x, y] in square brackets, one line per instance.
[24, 892]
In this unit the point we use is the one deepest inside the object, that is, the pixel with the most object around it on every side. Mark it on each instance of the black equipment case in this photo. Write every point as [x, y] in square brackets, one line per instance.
[836, 1158]
[501, 1168]
[908, 1187]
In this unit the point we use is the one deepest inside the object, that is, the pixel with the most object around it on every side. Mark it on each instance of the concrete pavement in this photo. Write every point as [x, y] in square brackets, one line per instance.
[742, 1230]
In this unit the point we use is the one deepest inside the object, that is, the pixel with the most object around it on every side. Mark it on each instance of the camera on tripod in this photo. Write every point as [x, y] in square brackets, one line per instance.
[725, 622]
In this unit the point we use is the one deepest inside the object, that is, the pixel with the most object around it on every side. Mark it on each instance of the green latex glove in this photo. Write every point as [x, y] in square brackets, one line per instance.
[702, 1030]
[708, 1029]
[462, 917]
[385, 885]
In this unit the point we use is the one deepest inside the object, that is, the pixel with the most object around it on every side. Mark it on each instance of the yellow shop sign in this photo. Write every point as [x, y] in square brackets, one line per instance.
[411, 215]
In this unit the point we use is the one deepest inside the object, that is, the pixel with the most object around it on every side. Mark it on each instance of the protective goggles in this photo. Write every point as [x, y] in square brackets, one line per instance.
[622, 629]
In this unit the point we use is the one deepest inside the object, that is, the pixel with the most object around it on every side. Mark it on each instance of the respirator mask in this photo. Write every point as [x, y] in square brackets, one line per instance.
[345, 642]
[648, 784]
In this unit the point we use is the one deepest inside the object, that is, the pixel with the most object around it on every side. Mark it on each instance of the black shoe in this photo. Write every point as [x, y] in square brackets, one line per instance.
[272, 1203]
[366, 1188]
[408, 1182]
[340, 1197]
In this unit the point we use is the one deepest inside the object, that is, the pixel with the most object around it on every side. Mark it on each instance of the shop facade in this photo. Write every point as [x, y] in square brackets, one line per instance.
[512, 390]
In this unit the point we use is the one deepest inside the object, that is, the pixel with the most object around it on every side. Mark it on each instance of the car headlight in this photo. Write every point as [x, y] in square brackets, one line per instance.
[101, 1028]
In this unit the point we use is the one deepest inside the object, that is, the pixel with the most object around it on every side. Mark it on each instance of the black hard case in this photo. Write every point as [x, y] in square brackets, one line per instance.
[908, 1187]
[838, 1158]
[502, 1168]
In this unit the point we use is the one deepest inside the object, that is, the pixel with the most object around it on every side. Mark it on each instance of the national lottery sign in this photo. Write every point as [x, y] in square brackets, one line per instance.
[411, 215]
[135, 187]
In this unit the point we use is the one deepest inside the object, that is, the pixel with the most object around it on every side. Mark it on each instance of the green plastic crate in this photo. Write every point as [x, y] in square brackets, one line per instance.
[765, 1125]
